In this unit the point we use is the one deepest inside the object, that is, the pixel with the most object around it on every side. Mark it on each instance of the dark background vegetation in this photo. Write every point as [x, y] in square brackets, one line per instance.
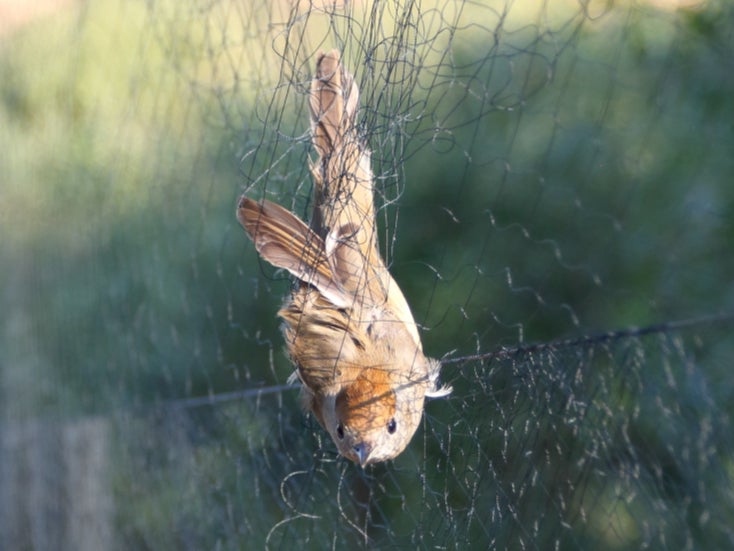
[544, 172]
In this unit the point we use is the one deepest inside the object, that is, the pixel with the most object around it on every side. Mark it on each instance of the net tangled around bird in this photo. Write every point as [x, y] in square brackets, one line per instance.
[551, 193]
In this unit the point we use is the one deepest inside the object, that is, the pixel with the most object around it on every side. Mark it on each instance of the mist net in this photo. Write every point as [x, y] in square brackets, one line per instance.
[553, 196]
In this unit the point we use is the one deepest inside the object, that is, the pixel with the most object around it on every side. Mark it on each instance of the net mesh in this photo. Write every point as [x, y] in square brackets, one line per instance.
[552, 195]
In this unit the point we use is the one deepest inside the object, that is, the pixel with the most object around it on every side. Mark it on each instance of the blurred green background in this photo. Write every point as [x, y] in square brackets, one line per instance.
[544, 171]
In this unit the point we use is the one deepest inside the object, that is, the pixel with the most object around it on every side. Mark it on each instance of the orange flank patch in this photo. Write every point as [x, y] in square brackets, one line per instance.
[368, 402]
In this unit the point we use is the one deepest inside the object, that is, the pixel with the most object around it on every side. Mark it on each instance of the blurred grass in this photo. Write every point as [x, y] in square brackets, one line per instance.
[110, 208]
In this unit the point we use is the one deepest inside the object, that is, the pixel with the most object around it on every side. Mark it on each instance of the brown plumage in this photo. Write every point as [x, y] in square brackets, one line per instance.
[348, 327]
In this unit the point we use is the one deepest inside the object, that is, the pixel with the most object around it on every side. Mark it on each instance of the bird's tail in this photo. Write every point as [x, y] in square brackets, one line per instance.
[344, 194]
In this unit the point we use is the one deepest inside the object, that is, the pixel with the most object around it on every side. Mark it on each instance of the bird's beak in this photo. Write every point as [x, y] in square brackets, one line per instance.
[363, 450]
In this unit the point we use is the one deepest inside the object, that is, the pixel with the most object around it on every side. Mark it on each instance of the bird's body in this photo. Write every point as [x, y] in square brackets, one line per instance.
[348, 327]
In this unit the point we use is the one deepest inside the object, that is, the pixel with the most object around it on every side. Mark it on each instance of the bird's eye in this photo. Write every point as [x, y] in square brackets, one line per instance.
[340, 431]
[392, 426]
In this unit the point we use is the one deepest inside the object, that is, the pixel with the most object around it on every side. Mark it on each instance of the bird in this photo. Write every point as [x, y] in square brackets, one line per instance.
[348, 328]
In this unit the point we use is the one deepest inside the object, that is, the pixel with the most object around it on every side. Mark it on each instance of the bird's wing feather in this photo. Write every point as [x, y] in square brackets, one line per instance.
[285, 241]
